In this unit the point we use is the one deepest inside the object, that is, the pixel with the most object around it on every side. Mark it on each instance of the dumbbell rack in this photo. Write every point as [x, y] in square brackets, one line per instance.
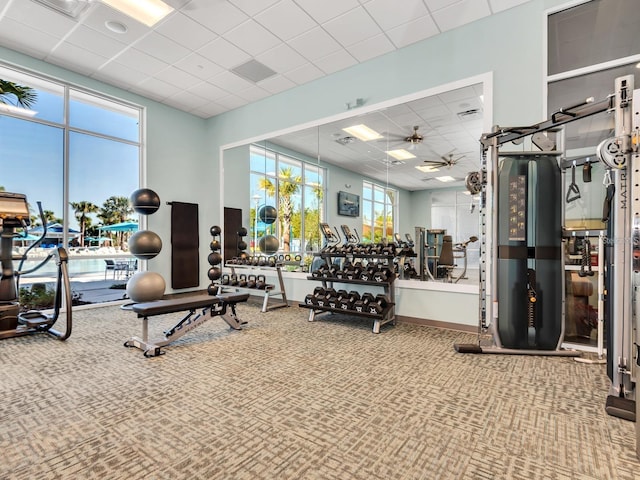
[386, 316]
[269, 290]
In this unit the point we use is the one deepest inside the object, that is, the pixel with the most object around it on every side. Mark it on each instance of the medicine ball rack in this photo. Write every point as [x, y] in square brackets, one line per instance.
[382, 317]
[243, 282]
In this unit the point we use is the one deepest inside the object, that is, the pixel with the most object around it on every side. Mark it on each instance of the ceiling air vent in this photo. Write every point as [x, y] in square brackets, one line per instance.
[70, 8]
[472, 114]
[253, 71]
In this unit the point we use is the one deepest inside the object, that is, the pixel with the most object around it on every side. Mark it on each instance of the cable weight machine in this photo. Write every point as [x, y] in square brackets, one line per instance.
[521, 256]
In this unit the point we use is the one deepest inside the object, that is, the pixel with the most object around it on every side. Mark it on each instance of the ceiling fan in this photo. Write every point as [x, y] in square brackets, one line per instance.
[413, 139]
[446, 160]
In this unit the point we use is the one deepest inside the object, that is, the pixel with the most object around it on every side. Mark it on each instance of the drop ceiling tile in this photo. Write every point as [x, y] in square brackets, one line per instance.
[304, 74]
[277, 84]
[98, 14]
[209, 110]
[461, 13]
[434, 5]
[95, 41]
[371, 47]
[155, 86]
[76, 59]
[326, 9]
[141, 61]
[253, 93]
[119, 75]
[286, 20]
[252, 37]
[282, 58]
[343, 28]
[231, 101]
[161, 47]
[500, 5]
[414, 31]
[314, 44]
[387, 14]
[224, 53]
[209, 91]
[251, 7]
[186, 31]
[199, 66]
[335, 62]
[185, 100]
[230, 82]
[178, 78]
[220, 17]
[40, 18]
[25, 39]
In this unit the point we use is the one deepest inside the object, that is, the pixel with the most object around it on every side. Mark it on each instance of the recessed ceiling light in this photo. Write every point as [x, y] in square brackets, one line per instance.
[116, 27]
[148, 12]
[362, 132]
[400, 154]
[446, 178]
[427, 168]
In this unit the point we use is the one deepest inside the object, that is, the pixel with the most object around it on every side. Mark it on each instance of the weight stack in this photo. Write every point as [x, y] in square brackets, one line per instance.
[529, 237]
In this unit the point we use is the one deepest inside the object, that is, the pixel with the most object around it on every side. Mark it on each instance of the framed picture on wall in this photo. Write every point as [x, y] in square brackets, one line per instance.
[348, 204]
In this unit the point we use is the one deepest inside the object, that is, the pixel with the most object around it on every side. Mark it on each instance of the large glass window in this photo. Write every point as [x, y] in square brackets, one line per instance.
[77, 153]
[294, 191]
[378, 212]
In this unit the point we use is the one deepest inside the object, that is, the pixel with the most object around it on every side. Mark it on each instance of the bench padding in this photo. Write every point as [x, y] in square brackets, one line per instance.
[172, 305]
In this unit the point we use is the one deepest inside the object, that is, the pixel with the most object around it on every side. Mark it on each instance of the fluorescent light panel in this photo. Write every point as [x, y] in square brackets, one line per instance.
[362, 132]
[427, 168]
[148, 12]
[400, 154]
[446, 178]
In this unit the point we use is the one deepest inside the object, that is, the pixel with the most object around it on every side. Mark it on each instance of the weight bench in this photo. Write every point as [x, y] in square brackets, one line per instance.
[215, 305]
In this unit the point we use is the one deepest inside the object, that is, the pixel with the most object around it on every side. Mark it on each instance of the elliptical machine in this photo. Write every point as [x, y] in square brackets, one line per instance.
[14, 213]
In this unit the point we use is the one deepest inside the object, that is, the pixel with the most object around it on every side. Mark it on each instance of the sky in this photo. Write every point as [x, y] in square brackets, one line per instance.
[32, 154]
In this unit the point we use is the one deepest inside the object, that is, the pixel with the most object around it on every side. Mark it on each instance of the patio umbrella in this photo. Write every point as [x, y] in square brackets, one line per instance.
[54, 231]
[120, 227]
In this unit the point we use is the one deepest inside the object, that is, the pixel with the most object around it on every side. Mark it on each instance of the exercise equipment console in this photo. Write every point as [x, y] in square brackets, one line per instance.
[210, 306]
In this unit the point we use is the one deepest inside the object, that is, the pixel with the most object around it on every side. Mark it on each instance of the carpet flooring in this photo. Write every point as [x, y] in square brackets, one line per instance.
[290, 399]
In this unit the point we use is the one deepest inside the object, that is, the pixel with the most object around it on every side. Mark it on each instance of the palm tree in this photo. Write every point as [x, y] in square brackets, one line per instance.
[288, 186]
[81, 210]
[115, 210]
[24, 96]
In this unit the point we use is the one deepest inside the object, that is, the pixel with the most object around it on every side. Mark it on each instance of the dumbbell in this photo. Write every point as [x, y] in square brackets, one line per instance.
[312, 298]
[378, 304]
[261, 282]
[383, 274]
[251, 281]
[367, 273]
[329, 297]
[336, 302]
[362, 305]
[242, 281]
[319, 293]
[347, 302]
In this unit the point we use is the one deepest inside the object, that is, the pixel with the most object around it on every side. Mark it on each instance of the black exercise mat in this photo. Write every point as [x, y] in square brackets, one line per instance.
[185, 261]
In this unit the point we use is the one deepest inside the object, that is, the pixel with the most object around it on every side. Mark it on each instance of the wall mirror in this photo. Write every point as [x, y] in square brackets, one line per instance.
[424, 142]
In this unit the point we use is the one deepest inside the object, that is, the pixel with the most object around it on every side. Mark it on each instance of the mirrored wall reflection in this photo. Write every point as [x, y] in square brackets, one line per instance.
[423, 145]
